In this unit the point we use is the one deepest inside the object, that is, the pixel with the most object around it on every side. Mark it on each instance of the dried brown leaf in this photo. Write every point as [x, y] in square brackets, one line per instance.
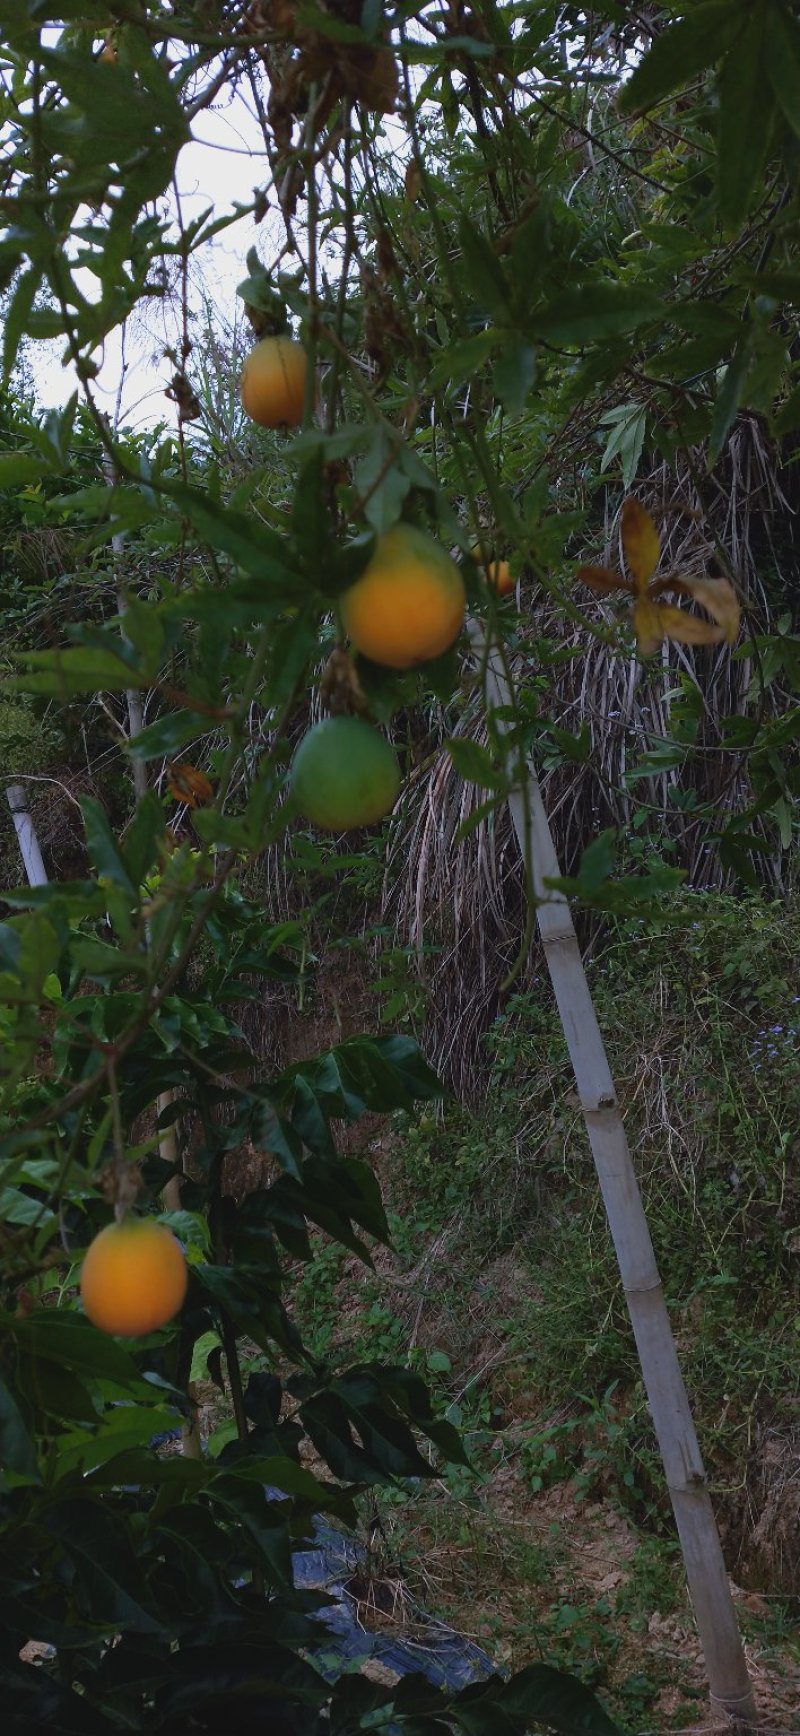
[656, 621]
[717, 596]
[189, 785]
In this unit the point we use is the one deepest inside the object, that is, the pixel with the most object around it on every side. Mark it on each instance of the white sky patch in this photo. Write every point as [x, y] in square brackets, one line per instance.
[220, 168]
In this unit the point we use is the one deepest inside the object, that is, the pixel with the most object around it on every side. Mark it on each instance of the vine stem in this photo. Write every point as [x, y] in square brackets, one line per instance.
[312, 203]
[227, 1329]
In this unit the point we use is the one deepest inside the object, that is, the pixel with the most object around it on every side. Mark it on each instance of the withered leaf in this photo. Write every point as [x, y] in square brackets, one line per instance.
[189, 785]
[654, 621]
[602, 580]
[640, 541]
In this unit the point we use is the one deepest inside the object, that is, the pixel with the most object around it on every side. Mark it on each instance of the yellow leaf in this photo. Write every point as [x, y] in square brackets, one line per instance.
[717, 596]
[640, 541]
[656, 621]
[647, 625]
[413, 182]
[602, 580]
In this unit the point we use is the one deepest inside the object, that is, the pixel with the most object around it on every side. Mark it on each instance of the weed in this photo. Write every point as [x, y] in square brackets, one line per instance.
[510, 1298]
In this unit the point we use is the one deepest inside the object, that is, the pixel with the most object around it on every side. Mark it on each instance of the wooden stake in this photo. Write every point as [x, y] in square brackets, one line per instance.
[706, 1576]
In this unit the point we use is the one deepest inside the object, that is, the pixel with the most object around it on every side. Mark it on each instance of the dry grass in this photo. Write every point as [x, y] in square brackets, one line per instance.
[464, 895]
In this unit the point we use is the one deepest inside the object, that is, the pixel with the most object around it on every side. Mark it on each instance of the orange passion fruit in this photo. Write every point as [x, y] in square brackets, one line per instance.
[273, 383]
[408, 605]
[134, 1277]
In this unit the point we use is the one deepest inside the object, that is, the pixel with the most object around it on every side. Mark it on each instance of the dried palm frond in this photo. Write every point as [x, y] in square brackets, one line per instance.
[460, 898]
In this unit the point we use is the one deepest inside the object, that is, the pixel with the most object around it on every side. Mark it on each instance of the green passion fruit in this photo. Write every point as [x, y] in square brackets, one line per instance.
[344, 775]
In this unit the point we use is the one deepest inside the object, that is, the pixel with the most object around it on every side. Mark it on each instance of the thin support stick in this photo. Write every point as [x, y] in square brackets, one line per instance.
[26, 836]
[706, 1575]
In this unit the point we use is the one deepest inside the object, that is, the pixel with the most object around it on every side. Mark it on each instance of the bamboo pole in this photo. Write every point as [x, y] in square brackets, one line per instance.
[26, 836]
[706, 1576]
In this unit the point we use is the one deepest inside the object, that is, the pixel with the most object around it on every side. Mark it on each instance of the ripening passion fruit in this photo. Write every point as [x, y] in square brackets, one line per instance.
[344, 775]
[274, 381]
[408, 605]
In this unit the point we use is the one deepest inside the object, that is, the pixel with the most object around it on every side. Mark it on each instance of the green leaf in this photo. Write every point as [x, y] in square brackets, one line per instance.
[769, 363]
[118, 112]
[202, 1349]
[143, 627]
[17, 469]
[167, 734]
[559, 1701]
[482, 812]
[248, 1294]
[628, 423]
[99, 960]
[40, 1703]
[99, 1545]
[17, 1451]
[55, 434]
[680, 52]
[599, 310]
[787, 418]
[64, 1337]
[577, 748]
[218, 1681]
[597, 861]
[294, 642]
[140, 838]
[29, 952]
[78, 669]
[382, 481]
[120, 1429]
[103, 849]
[683, 362]
[745, 122]
[45, 322]
[359, 1443]
[252, 546]
[16, 316]
[782, 54]
[531, 249]
[475, 763]
[729, 397]
[53, 1391]
[482, 271]
[135, 1466]
[124, 508]
[17, 1207]
[514, 374]
[274, 1134]
[261, 1521]
[309, 511]
[363, 1073]
[463, 359]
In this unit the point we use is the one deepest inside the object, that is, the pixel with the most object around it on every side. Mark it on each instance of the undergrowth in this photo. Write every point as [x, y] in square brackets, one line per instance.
[504, 1286]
